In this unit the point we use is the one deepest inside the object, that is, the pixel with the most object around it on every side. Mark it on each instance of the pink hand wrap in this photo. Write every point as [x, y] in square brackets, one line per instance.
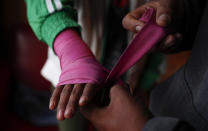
[80, 66]
[150, 35]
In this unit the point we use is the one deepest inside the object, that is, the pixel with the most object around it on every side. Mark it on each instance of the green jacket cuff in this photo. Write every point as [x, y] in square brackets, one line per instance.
[55, 24]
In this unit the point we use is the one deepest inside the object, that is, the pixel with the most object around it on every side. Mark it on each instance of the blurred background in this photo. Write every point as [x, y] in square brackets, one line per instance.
[25, 93]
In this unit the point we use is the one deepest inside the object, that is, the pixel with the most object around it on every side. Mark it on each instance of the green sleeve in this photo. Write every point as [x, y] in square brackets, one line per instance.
[49, 17]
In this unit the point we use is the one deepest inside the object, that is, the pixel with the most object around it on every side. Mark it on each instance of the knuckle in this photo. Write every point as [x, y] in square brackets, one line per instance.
[75, 91]
[61, 105]
[64, 92]
[72, 104]
[66, 89]
[124, 21]
[78, 86]
[54, 96]
[90, 85]
[58, 88]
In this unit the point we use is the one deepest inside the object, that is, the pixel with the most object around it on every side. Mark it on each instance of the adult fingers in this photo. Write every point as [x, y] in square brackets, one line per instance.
[163, 15]
[92, 112]
[119, 91]
[73, 100]
[170, 41]
[131, 22]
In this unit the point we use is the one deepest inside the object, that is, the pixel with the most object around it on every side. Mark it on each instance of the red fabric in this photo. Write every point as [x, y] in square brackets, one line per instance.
[120, 3]
[16, 124]
[28, 57]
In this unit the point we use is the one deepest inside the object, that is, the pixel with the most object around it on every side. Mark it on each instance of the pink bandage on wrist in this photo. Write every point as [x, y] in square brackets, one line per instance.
[78, 64]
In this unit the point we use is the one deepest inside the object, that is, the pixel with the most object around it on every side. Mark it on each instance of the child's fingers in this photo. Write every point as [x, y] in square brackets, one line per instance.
[89, 92]
[73, 100]
[64, 97]
[55, 97]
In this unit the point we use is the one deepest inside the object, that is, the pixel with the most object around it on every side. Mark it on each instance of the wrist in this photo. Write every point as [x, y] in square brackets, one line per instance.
[78, 64]
[141, 122]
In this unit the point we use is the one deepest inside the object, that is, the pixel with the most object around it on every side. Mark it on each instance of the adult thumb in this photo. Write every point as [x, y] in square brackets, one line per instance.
[163, 17]
[91, 112]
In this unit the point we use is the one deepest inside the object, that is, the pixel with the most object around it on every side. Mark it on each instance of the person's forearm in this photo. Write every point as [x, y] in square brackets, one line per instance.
[48, 18]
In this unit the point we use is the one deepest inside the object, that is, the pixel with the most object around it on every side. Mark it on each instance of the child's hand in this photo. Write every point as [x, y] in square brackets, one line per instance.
[78, 65]
[168, 13]
[67, 98]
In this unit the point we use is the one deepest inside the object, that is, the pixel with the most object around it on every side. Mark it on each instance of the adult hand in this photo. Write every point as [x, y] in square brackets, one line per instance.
[124, 113]
[67, 98]
[168, 13]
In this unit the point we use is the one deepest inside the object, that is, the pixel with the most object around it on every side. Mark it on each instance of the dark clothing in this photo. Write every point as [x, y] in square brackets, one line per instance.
[193, 10]
[181, 102]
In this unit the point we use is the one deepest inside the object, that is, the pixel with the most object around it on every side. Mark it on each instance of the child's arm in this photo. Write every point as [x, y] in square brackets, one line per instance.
[50, 17]
[78, 66]
[54, 22]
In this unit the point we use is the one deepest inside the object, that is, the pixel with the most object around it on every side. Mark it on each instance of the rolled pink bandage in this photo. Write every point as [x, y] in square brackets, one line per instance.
[150, 35]
[78, 64]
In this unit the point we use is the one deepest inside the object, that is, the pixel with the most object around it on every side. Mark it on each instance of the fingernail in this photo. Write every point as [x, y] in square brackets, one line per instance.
[82, 100]
[138, 28]
[51, 106]
[68, 113]
[164, 19]
[60, 115]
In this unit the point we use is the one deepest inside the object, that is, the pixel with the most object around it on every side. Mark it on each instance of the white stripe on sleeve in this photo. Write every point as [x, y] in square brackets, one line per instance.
[58, 4]
[49, 6]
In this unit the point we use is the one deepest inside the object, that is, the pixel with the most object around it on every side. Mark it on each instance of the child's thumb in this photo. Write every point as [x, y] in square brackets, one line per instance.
[163, 17]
